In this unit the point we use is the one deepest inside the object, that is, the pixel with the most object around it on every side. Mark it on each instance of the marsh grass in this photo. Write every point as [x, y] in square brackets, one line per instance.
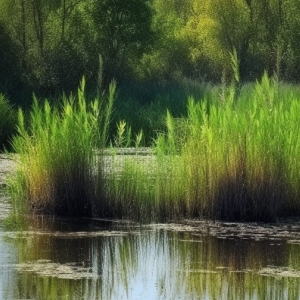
[58, 172]
[240, 157]
[232, 157]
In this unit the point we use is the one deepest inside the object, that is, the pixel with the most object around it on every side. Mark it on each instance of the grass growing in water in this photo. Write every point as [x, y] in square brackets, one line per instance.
[230, 158]
[59, 172]
[240, 159]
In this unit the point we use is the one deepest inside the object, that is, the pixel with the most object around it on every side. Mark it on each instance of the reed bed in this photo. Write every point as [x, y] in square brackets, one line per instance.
[240, 159]
[234, 157]
[58, 171]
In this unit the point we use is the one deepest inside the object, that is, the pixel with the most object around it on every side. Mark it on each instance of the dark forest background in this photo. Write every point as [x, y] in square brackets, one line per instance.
[47, 46]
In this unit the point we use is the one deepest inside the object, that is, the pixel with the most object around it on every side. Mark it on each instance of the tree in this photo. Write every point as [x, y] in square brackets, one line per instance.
[213, 30]
[123, 32]
[168, 58]
[9, 62]
[51, 60]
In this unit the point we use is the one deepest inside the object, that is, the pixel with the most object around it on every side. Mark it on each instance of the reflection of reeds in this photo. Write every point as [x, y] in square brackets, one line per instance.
[169, 264]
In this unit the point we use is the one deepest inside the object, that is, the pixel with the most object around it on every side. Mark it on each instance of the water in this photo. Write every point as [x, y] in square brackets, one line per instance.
[68, 259]
[75, 259]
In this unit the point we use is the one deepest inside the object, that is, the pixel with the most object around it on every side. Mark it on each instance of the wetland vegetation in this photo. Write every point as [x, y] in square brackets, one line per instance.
[141, 182]
[231, 158]
[213, 96]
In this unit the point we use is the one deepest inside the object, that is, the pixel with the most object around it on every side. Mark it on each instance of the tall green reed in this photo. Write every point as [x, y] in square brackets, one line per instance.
[231, 158]
[59, 170]
[239, 161]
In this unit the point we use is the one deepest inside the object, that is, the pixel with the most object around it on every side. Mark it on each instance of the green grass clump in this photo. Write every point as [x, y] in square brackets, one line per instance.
[240, 158]
[58, 171]
[8, 122]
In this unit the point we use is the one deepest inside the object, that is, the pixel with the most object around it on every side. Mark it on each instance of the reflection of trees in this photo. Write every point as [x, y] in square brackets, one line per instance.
[159, 264]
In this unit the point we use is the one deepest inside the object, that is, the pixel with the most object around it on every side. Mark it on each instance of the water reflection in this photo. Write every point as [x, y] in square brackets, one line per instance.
[145, 264]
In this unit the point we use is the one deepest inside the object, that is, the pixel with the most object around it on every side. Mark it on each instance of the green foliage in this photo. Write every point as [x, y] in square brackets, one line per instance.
[47, 47]
[150, 102]
[8, 122]
[58, 171]
[169, 55]
[10, 71]
[65, 74]
[123, 32]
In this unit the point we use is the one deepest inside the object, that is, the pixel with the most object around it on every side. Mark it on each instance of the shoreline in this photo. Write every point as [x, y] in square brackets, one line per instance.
[8, 165]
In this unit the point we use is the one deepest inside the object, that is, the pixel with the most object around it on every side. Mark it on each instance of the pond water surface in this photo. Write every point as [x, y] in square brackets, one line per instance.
[71, 259]
[97, 259]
